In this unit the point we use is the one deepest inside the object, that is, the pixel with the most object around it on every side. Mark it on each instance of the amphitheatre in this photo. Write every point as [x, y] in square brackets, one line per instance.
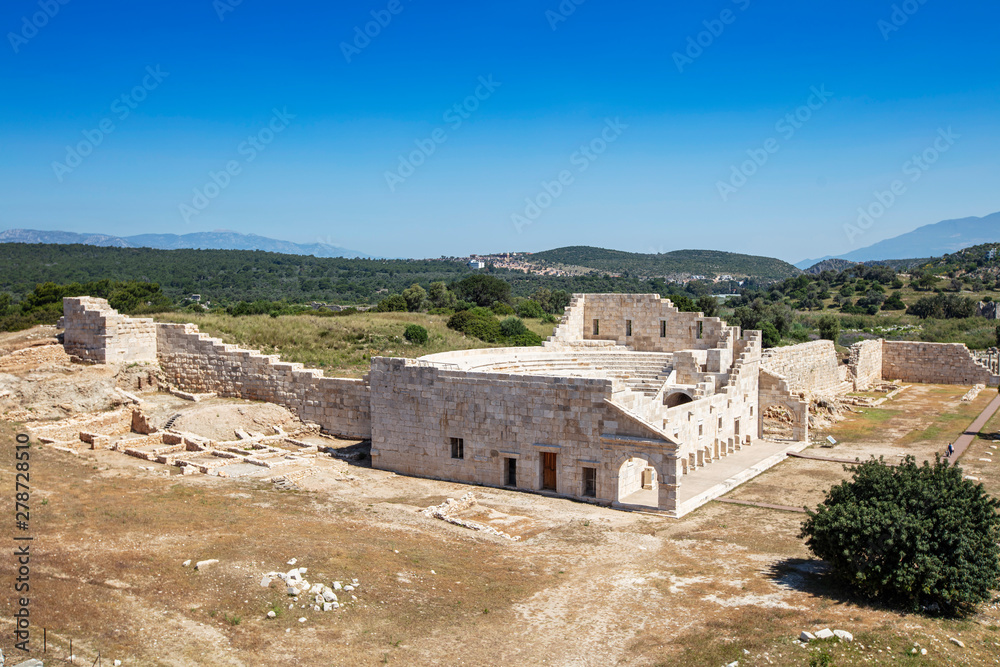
[630, 492]
[630, 403]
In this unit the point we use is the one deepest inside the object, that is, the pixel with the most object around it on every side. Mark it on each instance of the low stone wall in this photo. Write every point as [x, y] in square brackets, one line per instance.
[865, 366]
[808, 368]
[933, 363]
[197, 363]
[94, 331]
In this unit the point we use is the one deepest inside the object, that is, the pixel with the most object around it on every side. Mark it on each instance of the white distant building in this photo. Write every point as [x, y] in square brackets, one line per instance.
[992, 254]
[477, 264]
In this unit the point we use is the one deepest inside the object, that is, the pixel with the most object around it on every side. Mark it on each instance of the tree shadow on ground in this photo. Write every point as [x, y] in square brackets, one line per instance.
[813, 576]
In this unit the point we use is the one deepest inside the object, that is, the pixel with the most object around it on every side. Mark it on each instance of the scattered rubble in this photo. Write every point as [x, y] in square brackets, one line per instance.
[450, 506]
[323, 597]
[973, 393]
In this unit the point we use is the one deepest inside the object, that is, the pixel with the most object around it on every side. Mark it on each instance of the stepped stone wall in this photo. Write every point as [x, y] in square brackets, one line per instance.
[811, 368]
[94, 331]
[938, 363]
[197, 363]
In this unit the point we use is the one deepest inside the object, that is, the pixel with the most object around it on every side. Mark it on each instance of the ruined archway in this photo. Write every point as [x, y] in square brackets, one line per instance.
[638, 483]
[677, 398]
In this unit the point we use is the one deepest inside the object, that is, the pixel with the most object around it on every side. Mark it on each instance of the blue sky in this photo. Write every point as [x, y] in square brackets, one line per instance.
[629, 125]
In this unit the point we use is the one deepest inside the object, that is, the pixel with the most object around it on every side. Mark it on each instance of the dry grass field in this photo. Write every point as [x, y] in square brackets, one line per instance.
[344, 345]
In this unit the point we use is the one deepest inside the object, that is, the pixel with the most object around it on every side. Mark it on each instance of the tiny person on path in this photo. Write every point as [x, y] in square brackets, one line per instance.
[951, 449]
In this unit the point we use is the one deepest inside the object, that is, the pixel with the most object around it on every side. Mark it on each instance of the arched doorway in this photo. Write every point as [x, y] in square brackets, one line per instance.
[676, 398]
[638, 483]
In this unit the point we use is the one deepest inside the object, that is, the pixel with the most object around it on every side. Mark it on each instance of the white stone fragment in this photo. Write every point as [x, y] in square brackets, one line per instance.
[337, 586]
[205, 563]
[292, 590]
[329, 595]
[292, 562]
[302, 619]
[186, 563]
[825, 633]
[956, 642]
[271, 614]
[844, 635]
[806, 636]
[265, 582]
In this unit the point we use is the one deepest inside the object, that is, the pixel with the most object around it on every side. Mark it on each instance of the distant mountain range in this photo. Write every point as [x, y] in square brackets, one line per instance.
[709, 263]
[217, 240]
[931, 240]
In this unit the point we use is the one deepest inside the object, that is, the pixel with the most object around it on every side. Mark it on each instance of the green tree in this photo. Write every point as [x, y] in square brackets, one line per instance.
[416, 297]
[392, 304]
[529, 308]
[771, 335]
[482, 289]
[916, 534]
[998, 335]
[440, 296]
[512, 326]
[416, 334]
[829, 327]
[708, 305]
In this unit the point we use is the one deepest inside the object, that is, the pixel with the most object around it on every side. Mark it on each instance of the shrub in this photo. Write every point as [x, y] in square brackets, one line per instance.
[527, 339]
[529, 308]
[549, 318]
[482, 289]
[416, 334]
[910, 534]
[829, 327]
[501, 308]
[771, 335]
[416, 297]
[894, 302]
[471, 323]
[392, 304]
[512, 326]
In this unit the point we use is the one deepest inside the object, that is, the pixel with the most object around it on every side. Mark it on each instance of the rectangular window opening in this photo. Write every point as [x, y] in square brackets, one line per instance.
[663, 328]
[590, 482]
[597, 327]
[701, 329]
[457, 448]
[628, 327]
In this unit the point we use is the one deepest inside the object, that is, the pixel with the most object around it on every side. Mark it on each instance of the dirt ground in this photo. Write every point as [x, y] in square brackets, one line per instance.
[585, 585]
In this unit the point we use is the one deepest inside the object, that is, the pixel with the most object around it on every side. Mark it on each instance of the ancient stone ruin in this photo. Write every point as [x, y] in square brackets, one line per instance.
[630, 403]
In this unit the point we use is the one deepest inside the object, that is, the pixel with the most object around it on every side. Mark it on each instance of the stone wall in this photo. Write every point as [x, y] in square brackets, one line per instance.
[418, 408]
[96, 332]
[865, 365]
[644, 313]
[775, 391]
[197, 363]
[808, 368]
[937, 363]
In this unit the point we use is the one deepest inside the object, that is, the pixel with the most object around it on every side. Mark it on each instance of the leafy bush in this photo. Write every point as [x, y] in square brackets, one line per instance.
[894, 302]
[416, 334]
[392, 304]
[530, 308]
[910, 534]
[829, 327]
[472, 323]
[549, 318]
[527, 339]
[512, 326]
[941, 306]
[771, 335]
[501, 308]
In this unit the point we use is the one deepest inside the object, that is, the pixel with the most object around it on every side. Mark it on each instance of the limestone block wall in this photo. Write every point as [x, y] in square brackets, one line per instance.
[616, 314]
[775, 391]
[937, 363]
[418, 408]
[865, 366]
[96, 332]
[808, 367]
[195, 362]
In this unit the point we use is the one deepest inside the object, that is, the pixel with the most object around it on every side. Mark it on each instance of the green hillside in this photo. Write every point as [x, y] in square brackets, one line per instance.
[696, 262]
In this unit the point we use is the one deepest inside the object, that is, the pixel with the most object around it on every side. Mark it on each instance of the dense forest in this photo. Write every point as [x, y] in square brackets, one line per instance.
[695, 262]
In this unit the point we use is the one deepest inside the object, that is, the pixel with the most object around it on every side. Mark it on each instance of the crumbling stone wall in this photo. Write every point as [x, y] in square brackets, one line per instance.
[643, 313]
[775, 391]
[865, 365]
[94, 331]
[808, 367]
[938, 363]
[195, 362]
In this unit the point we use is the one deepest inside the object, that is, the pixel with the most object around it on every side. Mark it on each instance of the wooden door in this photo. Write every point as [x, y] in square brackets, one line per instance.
[549, 471]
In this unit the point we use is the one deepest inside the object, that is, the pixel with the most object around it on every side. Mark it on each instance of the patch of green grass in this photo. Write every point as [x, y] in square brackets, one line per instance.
[341, 346]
